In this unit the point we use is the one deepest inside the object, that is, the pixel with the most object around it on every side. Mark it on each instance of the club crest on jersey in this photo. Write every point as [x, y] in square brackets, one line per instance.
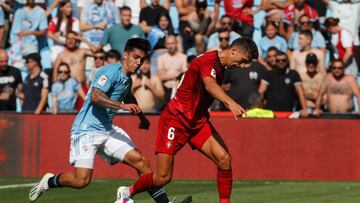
[213, 73]
[168, 145]
[102, 80]
[253, 75]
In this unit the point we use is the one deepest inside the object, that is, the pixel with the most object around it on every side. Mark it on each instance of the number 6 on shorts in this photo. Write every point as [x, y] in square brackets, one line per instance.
[171, 133]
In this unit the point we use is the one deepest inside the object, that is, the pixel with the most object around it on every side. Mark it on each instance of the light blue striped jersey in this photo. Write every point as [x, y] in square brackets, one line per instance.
[112, 80]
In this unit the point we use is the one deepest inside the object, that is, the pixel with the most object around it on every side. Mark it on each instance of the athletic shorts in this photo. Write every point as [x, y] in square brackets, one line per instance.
[173, 133]
[112, 146]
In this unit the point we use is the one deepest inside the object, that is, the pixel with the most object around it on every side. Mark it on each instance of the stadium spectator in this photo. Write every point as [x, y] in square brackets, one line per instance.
[147, 88]
[224, 38]
[198, 24]
[226, 22]
[239, 11]
[348, 13]
[134, 5]
[125, 29]
[112, 56]
[2, 28]
[256, 109]
[74, 56]
[340, 89]
[185, 8]
[36, 86]
[96, 17]
[94, 133]
[186, 119]
[274, 9]
[270, 59]
[60, 26]
[170, 66]
[99, 58]
[65, 91]
[241, 83]
[10, 84]
[149, 15]
[311, 81]
[305, 23]
[343, 45]
[298, 57]
[271, 39]
[157, 37]
[29, 23]
[282, 86]
[292, 14]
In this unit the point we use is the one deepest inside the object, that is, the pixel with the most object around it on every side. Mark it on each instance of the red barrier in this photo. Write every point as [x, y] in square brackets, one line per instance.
[273, 149]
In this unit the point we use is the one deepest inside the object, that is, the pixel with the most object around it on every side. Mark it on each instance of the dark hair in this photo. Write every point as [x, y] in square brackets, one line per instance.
[201, 4]
[304, 15]
[60, 19]
[329, 22]
[311, 58]
[112, 53]
[64, 64]
[272, 49]
[138, 43]
[170, 28]
[246, 45]
[125, 8]
[269, 22]
[281, 53]
[334, 61]
[190, 58]
[307, 33]
[226, 16]
[100, 51]
[221, 30]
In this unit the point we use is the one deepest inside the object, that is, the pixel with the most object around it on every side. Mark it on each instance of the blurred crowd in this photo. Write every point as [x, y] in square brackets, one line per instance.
[309, 51]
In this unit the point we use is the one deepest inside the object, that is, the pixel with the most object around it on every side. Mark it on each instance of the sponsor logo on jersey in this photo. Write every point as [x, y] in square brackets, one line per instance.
[253, 75]
[7, 79]
[102, 80]
[213, 73]
[287, 81]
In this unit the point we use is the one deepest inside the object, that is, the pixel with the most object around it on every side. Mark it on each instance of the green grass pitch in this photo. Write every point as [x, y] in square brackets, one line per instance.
[104, 190]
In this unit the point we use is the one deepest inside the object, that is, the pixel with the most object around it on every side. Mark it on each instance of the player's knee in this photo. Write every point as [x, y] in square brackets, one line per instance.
[224, 160]
[143, 165]
[162, 179]
[82, 182]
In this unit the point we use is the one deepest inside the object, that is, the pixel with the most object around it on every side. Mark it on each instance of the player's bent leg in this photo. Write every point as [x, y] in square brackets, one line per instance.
[215, 149]
[164, 169]
[137, 161]
[79, 179]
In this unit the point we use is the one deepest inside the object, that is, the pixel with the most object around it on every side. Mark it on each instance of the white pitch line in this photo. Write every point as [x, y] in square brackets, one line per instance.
[17, 186]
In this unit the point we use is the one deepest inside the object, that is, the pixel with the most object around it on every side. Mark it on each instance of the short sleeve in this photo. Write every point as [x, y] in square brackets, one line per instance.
[346, 39]
[206, 68]
[55, 89]
[296, 78]
[266, 77]
[2, 17]
[103, 80]
[52, 26]
[105, 38]
[18, 77]
[43, 21]
[76, 85]
[45, 81]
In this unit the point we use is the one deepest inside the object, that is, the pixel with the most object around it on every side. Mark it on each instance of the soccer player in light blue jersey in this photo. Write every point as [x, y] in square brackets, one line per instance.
[94, 133]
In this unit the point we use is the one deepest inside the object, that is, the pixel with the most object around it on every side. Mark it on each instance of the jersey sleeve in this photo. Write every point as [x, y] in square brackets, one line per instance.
[206, 67]
[296, 78]
[103, 79]
[55, 89]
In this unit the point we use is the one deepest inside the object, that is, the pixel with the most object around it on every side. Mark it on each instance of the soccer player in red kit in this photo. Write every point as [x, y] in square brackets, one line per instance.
[186, 118]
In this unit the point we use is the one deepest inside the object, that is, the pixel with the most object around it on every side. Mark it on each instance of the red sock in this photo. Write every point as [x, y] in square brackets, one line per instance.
[144, 183]
[224, 184]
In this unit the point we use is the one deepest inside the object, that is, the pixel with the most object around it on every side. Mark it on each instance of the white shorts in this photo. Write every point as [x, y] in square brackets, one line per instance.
[112, 146]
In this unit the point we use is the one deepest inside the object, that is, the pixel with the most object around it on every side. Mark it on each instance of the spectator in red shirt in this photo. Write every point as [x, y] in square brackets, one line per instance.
[237, 9]
[292, 14]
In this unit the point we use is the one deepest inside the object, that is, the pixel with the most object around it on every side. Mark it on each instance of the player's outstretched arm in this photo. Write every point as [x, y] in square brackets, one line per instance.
[99, 98]
[216, 91]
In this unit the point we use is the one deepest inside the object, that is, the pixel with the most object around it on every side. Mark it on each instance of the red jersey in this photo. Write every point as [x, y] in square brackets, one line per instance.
[191, 99]
[235, 8]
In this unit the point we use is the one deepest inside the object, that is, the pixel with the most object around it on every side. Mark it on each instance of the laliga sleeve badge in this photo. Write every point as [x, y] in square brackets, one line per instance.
[213, 73]
[102, 80]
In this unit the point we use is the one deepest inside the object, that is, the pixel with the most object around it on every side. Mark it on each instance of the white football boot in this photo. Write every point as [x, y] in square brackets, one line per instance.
[40, 187]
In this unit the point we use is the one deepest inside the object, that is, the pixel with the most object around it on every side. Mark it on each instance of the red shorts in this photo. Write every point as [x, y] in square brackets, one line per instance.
[173, 133]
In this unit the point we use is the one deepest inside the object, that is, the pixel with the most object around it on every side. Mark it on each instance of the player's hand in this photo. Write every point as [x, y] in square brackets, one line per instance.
[144, 122]
[304, 113]
[132, 108]
[236, 109]
[317, 112]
